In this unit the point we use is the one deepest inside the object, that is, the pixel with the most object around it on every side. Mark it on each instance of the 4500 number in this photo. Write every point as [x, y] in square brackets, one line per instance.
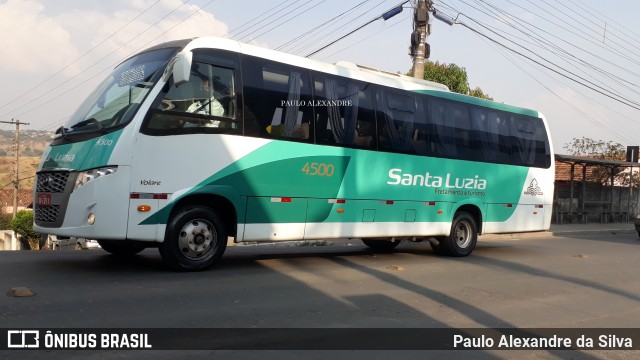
[318, 169]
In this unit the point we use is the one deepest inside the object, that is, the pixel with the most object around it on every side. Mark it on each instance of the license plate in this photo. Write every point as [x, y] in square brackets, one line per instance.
[44, 199]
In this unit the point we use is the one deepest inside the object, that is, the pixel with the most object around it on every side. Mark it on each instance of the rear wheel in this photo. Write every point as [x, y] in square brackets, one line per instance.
[120, 247]
[381, 245]
[195, 239]
[463, 237]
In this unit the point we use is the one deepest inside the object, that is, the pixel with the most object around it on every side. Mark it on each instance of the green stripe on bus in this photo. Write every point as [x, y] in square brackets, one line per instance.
[362, 177]
[83, 155]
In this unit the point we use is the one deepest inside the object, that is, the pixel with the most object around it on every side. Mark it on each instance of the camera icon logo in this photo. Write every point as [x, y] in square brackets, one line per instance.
[23, 339]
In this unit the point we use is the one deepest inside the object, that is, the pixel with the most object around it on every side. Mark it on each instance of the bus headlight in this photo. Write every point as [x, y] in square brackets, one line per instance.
[86, 176]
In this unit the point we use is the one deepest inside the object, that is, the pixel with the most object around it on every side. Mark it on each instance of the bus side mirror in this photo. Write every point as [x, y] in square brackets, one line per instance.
[182, 67]
[179, 67]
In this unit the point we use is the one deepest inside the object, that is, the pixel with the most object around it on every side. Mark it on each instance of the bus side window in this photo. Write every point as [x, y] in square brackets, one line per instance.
[459, 116]
[442, 138]
[543, 151]
[529, 146]
[336, 120]
[345, 113]
[366, 119]
[397, 121]
[486, 135]
[277, 100]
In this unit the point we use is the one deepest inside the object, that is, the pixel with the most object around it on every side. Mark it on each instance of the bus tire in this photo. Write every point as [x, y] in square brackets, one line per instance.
[381, 245]
[195, 239]
[463, 237]
[120, 247]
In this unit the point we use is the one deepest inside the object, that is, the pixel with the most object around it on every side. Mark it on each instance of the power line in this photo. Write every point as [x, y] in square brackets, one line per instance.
[586, 83]
[588, 116]
[364, 39]
[329, 31]
[582, 24]
[614, 50]
[562, 53]
[530, 31]
[100, 60]
[228, 34]
[285, 21]
[598, 15]
[118, 61]
[353, 31]
[81, 56]
[321, 25]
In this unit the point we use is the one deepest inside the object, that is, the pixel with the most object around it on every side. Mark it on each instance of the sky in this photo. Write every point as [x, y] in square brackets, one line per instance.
[582, 72]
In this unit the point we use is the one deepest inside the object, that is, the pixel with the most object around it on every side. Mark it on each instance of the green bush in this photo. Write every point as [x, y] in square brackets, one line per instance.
[23, 226]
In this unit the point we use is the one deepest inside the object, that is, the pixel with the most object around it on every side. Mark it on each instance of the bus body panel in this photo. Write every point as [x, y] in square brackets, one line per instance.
[278, 185]
[288, 190]
[110, 209]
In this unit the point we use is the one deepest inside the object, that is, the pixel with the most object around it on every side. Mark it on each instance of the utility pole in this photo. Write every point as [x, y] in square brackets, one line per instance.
[420, 49]
[16, 181]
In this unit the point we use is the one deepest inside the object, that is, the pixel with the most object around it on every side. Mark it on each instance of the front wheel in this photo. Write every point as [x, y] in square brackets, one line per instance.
[463, 237]
[195, 239]
[381, 245]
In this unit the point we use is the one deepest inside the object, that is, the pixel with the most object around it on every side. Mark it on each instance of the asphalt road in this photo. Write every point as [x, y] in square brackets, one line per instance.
[583, 281]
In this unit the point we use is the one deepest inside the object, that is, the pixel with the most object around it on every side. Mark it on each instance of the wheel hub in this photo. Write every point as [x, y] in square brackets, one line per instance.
[463, 235]
[197, 239]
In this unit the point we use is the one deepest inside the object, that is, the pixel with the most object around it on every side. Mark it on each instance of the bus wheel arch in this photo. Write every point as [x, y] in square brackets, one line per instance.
[474, 211]
[463, 235]
[221, 205]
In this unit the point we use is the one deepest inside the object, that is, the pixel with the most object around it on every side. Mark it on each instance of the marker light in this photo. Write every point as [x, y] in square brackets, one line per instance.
[91, 219]
[144, 208]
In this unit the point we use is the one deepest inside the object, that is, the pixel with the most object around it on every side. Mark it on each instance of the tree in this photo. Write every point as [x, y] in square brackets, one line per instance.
[452, 75]
[595, 149]
[477, 92]
[604, 150]
[22, 224]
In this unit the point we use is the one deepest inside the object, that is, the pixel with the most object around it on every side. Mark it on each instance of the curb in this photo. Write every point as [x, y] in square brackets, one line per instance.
[550, 233]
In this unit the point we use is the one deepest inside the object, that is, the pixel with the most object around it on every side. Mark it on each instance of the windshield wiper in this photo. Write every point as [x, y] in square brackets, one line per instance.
[62, 131]
[92, 121]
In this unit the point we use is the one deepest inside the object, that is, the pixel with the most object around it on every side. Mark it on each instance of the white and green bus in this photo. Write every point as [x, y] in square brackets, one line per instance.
[194, 142]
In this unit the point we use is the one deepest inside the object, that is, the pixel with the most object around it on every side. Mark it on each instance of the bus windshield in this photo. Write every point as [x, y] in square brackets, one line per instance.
[117, 98]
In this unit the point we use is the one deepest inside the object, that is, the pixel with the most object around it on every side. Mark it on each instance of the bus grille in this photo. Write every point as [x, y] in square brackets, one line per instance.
[47, 213]
[56, 186]
[52, 182]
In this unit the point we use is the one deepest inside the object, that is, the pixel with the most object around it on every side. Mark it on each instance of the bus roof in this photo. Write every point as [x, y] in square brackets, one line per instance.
[346, 69]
